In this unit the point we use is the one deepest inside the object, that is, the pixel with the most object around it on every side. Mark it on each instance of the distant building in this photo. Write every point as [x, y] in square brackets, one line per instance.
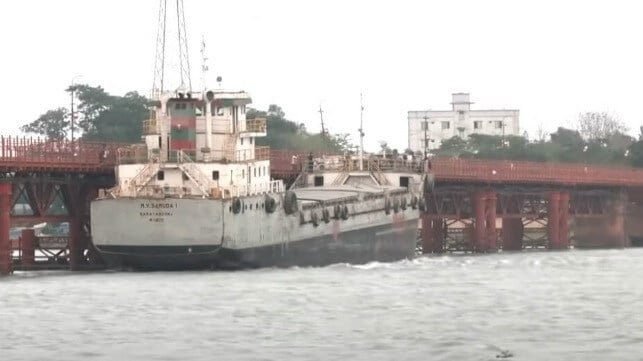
[428, 128]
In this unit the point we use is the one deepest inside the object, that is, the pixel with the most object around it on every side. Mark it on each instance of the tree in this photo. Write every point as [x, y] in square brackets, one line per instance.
[286, 134]
[567, 138]
[101, 116]
[453, 147]
[118, 118]
[599, 125]
[384, 148]
[54, 124]
[541, 134]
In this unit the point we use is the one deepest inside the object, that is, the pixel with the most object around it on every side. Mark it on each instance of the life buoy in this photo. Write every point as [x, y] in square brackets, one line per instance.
[290, 202]
[403, 203]
[387, 206]
[325, 215]
[414, 202]
[314, 218]
[236, 205]
[270, 204]
[396, 205]
[345, 212]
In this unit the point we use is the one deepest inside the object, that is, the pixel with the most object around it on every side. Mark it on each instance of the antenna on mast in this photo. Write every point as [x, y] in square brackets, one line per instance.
[204, 64]
[184, 58]
[321, 117]
[158, 85]
[361, 132]
[159, 62]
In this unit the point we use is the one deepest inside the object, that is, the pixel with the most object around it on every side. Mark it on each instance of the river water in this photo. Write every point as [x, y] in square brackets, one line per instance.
[574, 305]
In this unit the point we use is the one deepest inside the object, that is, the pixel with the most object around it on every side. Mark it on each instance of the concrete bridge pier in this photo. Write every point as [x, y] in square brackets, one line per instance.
[27, 247]
[553, 225]
[512, 234]
[433, 235]
[5, 223]
[605, 229]
[484, 230]
[558, 220]
[490, 214]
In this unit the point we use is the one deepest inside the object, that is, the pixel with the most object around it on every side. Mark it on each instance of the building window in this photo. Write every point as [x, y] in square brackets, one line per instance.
[243, 173]
[250, 140]
[219, 111]
[243, 109]
[160, 175]
[446, 125]
[498, 124]
[461, 115]
[185, 177]
[254, 171]
[241, 141]
[215, 175]
[477, 124]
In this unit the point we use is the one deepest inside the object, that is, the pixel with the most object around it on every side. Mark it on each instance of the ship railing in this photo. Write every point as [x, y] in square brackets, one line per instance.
[150, 126]
[193, 172]
[157, 191]
[398, 165]
[274, 186]
[257, 125]
[135, 153]
[373, 164]
[241, 155]
[145, 175]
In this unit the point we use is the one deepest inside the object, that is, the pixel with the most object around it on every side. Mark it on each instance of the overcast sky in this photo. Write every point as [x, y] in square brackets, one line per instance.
[550, 59]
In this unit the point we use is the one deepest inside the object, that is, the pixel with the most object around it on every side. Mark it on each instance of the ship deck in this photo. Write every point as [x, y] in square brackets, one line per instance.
[341, 193]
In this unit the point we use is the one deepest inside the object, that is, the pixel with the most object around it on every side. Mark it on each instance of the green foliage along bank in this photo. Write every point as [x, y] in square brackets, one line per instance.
[101, 116]
[564, 145]
[286, 134]
[98, 116]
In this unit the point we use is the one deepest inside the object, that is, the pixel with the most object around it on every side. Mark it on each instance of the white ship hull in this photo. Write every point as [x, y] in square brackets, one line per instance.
[173, 233]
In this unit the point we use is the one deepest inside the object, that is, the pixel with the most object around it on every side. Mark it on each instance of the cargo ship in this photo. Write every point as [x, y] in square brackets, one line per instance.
[198, 194]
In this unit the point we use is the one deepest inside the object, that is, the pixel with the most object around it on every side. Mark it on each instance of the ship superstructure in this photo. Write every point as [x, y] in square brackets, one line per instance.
[197, 146]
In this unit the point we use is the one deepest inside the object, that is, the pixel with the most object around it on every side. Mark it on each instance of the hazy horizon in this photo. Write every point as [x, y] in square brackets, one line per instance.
[550, 60]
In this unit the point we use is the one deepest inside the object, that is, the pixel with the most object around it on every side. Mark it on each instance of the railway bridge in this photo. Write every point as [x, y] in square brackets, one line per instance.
[475, 206]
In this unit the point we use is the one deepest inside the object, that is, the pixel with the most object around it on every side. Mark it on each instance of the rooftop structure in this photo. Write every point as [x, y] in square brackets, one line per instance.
[428, 128]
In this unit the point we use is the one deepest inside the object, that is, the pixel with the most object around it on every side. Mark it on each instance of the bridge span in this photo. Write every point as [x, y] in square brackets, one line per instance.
[475, 206]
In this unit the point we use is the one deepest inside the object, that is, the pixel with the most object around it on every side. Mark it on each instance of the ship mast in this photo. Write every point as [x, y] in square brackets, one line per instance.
[321, 117]
[206, 96]
[361, 132]
[159, 62]
[185, 84]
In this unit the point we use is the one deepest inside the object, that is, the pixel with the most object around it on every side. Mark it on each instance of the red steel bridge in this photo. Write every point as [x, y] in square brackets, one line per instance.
[476, 205]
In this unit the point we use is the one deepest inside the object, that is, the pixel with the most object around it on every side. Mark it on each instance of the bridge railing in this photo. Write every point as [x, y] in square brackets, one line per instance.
[28, 151]
[488, 171]
[498, 171]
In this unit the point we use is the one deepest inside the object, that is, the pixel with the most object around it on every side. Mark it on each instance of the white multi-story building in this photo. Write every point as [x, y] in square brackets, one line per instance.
[428, 128]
